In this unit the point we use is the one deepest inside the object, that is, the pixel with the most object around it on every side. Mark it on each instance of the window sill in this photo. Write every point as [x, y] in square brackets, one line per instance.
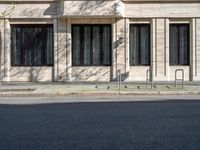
[179, 65]
[32, 66]
[140, 65]
[91, 66]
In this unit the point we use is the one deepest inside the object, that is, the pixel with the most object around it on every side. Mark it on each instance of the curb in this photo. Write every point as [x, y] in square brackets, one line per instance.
[159, 93]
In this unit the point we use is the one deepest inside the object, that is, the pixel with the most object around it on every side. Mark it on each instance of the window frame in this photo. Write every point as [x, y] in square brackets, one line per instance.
[188, 45]
[32, 51]
[139, 51]
[91, 51]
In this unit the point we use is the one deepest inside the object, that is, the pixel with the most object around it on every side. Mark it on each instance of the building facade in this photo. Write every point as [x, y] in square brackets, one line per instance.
[63, 40]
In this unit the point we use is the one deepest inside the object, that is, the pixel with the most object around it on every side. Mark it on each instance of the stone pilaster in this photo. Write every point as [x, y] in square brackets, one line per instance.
[119, 48]
[126, 45]
[153, 47]
[61, 53]
[2, 49]
[167, 48]
[160, 56]
[193, 55]
[55, 68]
[7, 49]
[196, 76]
[114, 50]
[69, 50]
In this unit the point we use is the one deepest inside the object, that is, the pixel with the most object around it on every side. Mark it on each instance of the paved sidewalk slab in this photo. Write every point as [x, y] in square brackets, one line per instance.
[94, 89]
[95, 99]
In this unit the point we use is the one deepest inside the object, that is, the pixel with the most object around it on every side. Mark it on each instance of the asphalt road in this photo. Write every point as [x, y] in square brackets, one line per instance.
[159, 125]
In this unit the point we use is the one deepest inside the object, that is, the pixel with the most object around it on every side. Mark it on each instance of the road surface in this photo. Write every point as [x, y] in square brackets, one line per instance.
[132, 125]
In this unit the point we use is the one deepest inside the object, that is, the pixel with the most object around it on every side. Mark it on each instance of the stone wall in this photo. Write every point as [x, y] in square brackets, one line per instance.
[32, 10]
[152, 10]
[62, 14]
[86, 8]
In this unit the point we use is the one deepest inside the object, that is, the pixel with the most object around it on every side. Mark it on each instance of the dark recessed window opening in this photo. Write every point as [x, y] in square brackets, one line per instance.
[179, 44]
[31, 45]
[91, 45]
[139, 44]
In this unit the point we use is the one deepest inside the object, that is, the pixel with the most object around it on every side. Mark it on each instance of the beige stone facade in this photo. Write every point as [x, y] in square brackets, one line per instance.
[62, 14]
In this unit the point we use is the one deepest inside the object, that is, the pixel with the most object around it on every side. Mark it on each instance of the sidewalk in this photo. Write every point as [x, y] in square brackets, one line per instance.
[47, 89]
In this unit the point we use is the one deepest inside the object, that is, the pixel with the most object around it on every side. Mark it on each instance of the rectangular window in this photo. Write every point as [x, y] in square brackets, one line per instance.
[31, 45]
[139, 44]
[179, 44]
[91, 45]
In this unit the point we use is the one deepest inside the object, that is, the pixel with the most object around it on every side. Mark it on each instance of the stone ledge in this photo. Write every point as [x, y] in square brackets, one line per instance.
[30, 1]
[159, 93]
[187, 1]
